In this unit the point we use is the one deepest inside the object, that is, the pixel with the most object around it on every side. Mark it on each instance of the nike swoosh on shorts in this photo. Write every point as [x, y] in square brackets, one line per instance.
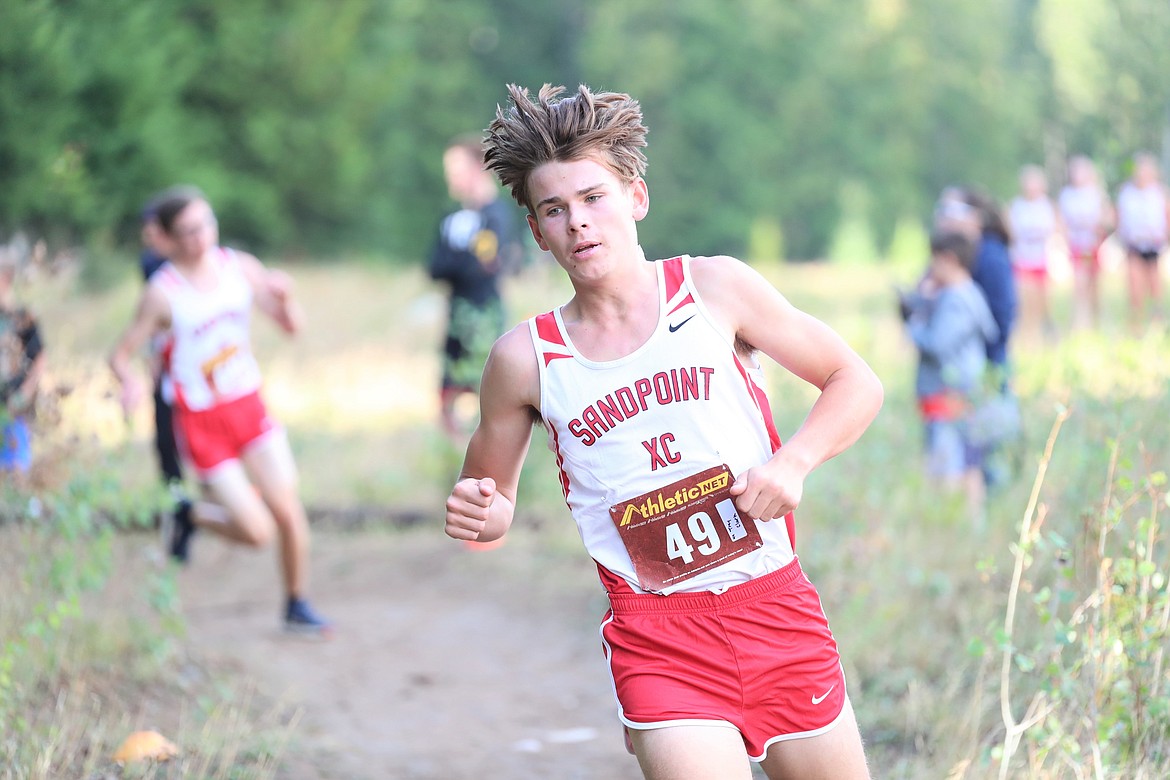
[823, 696]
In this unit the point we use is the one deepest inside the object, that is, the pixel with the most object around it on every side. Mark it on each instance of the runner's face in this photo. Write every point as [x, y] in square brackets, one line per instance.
[585, 215]
[194, 230]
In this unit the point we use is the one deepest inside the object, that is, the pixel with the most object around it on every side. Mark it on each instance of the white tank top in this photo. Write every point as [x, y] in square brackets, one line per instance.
[1081, 211]
[210, 358]
[1033, 223]
[681, 404]
[1141, 217]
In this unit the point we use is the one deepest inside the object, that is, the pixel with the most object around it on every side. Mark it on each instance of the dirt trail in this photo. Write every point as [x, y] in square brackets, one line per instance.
[447, 663]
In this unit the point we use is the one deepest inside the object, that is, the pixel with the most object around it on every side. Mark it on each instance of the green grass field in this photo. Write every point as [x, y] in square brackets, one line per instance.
[1031, 646]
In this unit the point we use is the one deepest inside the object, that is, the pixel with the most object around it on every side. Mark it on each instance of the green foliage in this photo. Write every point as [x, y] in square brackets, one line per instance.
[1094, 661]
[64, 554]
[909, 250]
[765, 240]
[1108, 112]
[318, 127]
[853, 241]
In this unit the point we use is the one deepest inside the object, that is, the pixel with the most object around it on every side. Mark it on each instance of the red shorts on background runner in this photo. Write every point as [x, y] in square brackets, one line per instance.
[211, 437]
[1086, 259]
[759, 657]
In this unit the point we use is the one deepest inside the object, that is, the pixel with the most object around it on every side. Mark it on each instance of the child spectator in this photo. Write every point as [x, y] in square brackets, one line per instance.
[950, 323]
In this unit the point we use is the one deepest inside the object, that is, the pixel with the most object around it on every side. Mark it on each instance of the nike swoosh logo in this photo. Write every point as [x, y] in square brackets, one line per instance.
[823, 696]
[673, 328]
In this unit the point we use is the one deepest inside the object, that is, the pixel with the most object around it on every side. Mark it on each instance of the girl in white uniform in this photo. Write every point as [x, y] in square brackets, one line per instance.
[1032, 219]
[1085, 216]
[1143, 213]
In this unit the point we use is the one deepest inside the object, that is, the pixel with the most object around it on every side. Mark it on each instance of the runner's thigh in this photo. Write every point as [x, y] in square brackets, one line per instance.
[835, 755]
[230, 487]
[270, 464]
[697, 752]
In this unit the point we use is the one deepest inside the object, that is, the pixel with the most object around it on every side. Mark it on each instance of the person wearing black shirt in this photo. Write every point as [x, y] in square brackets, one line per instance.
[477, 244]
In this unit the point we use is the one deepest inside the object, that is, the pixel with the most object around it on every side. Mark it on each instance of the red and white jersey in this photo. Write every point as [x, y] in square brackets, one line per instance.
[210, 358]
[653, 429]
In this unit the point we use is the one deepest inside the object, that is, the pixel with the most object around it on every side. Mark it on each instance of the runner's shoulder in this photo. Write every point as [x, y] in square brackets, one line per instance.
[719, 274]
[513, 358]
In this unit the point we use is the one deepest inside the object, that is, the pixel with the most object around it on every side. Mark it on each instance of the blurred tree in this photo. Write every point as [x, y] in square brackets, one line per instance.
[88, 93]
[319, 127]
[1109, 64]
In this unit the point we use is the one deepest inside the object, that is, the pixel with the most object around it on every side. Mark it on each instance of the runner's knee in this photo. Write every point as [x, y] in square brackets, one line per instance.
[256, 528]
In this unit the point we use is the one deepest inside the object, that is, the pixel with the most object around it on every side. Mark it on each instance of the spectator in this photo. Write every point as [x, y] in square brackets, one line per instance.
[950, 324]
[477, 243]
[1032, 219]
[1086, 218]
[1142, 219]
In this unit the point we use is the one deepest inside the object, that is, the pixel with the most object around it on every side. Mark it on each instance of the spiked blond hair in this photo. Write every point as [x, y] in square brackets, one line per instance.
[606, 126]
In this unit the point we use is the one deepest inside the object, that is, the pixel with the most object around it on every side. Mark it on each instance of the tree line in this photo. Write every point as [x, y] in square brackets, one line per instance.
[317, 127]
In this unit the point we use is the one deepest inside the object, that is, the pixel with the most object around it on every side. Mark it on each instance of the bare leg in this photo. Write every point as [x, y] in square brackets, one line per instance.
[1044, 307]
[458, 411]
[698, 752]
[976, 492]
[272, 469]
[1086, 297]
[1033, 310]
[232, 508]
[1154, 286]
[1135, 284]
[835, 755]
[447, 412]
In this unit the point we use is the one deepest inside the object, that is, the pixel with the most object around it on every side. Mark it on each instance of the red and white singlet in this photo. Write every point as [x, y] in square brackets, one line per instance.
[648, 445]
[210, 358]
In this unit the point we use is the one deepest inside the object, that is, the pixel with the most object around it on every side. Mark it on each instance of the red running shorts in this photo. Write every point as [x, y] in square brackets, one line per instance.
[209, 438]
[758, 657]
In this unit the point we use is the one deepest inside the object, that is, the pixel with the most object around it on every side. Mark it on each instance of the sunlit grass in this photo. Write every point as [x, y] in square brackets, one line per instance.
[912, 588]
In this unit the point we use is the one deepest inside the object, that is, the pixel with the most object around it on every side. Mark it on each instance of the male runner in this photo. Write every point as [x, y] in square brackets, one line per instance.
[648, 386]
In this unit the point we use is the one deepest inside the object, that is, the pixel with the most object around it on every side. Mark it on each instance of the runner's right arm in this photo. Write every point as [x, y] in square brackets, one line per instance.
[152, 316]
[483, 501]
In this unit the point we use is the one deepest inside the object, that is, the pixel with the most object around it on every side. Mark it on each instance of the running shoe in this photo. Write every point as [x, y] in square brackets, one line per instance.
[182, 529]
[300, 618]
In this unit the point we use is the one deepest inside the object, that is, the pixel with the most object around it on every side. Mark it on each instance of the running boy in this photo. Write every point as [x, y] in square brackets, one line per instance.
[204, 297]
[648, 386]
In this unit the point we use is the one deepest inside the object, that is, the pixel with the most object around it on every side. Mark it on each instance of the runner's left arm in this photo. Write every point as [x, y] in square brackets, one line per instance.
[274, 294]
[755, 312]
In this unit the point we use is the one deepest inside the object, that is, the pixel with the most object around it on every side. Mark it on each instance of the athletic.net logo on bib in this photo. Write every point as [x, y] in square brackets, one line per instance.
[675, 532]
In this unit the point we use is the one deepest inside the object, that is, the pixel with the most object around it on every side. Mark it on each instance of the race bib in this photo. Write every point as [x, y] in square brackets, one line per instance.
[680, 530]
[230, 372]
